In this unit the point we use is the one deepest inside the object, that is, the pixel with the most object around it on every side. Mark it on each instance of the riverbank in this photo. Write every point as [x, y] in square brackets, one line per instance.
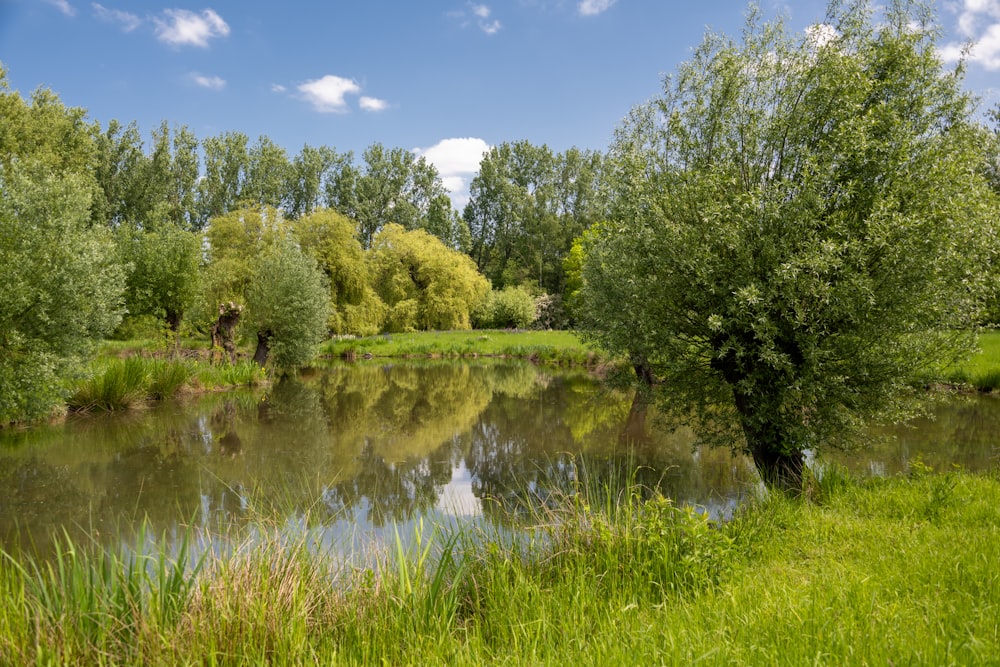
[884, 571]
[982, 370]
[558, 347]
[130, 373]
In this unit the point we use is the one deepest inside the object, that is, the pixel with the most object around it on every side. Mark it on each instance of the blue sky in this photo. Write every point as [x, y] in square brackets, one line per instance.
[444, 78]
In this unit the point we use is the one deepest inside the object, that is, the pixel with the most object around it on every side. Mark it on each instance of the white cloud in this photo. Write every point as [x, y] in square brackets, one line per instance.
[182, 27]
[979, 23]
[594, 7]
[210, 82]
[64, 7]
[820, 34]
[277, 88]
[456, 160]
[490, 27]
[127, 20]
[480, 14]
[327, 94]
[373, 104]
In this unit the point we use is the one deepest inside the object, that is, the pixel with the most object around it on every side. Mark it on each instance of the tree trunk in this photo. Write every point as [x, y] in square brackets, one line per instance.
[173, 331]
[263, 347]
[782, 471]
[779, 462]
[224, 330]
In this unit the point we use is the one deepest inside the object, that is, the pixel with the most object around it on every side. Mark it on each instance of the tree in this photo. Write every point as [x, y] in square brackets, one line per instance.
[394, 187]
[119, 171]
[308, 176]
[268, 175]
[227, 164]
[62, 286]
[797, 226]
[235, 240]
[992, 140]
[332, 240]
[165, 266]
[526, 206]
[425, 284]
[287, 303]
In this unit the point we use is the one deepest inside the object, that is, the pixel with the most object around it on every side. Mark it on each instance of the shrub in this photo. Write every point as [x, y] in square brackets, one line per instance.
[509, 308]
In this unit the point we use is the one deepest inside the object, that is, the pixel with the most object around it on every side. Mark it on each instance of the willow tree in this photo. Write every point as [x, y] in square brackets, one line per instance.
[287, 302]
[424, 283]
[799, 225]
[332, 240]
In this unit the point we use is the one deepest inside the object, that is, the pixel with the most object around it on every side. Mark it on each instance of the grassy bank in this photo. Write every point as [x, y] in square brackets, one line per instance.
[542, 346]
[896, 571]
[119, 383]
[982, 371]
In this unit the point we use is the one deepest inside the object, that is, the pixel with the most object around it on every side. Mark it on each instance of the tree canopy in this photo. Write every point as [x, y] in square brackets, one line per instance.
[424, 284]
[798, 224]
[62, 286]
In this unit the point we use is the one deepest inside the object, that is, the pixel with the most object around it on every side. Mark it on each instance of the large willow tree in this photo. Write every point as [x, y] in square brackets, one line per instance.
[799, 225]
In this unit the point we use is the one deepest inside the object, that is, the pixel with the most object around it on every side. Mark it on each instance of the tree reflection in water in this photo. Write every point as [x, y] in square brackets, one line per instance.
[371, 444]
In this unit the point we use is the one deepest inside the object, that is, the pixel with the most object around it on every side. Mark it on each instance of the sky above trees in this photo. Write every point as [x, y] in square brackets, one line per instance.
[445, 79]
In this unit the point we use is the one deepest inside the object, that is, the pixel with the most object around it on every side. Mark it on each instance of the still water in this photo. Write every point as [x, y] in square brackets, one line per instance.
[362, 448]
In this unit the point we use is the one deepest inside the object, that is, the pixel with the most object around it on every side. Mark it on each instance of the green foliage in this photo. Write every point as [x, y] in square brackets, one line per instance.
[331, 239]
[165, 270]
[527, 204]
[424, 284]
[799, 224]
[287, 302]
[235, 241]
[509, 308]
[62, 287]
[46, 134]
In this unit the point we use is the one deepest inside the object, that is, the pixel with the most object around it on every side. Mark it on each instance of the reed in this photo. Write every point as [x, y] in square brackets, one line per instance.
[120, 384]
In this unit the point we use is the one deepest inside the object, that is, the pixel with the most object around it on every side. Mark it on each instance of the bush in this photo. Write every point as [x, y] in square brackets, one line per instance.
[509, 308]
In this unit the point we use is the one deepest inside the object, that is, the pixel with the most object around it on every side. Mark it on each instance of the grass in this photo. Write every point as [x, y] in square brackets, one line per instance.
[885, 571]
[543, 346]
[120, 384]
[982, 371]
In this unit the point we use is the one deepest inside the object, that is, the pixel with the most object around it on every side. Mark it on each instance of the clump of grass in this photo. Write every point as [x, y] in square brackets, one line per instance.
[87, 605]
[244, 373]
[121, 384]
[167, 378]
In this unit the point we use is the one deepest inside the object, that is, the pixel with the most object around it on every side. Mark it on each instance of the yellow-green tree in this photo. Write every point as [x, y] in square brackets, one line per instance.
[235, 239]
[424, 284]
[331, 239]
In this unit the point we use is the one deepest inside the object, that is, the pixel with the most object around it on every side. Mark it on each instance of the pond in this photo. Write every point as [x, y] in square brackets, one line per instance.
[359, 449]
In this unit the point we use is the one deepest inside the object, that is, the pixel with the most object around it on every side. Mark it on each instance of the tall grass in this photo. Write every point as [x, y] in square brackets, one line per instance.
[119, 384]
[889, 571]
[244, 373]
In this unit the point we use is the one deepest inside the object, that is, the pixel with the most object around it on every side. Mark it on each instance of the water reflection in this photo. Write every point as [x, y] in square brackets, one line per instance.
[360, 447]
